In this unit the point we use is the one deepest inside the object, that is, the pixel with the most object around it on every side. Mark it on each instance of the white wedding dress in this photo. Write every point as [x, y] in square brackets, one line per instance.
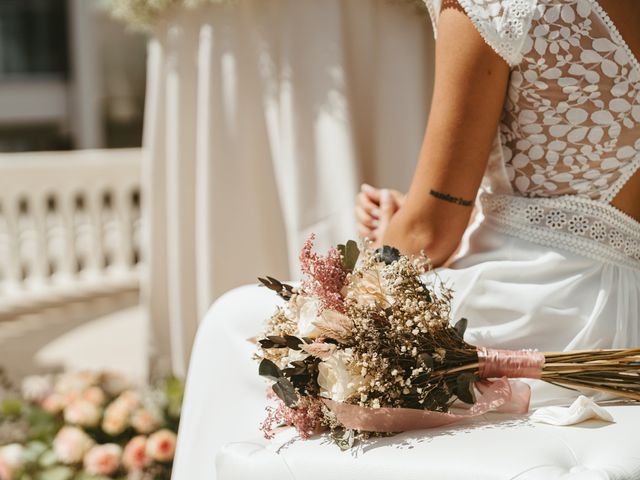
[548, 263]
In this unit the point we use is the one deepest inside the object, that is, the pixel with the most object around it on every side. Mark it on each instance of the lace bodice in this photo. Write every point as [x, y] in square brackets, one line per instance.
[571, 121]
[570, 127]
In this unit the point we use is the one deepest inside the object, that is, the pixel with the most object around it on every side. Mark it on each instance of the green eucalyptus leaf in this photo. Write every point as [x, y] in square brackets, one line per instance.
[424, 360]
[278, 340]
[286, 392]
[293, 342]
[461, 326]
[282, 289]
[269, 370]
[350, 253]
[464, 387]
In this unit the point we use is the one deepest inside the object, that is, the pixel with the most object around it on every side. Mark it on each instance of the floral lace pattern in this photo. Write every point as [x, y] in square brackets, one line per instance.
[581, 225]
[569, 136]
[571, 121]
[502, 23]
[571, 124]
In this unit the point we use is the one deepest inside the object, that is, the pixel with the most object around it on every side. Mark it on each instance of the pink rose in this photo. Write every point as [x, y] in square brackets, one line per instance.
[75, 383]
[94, 395]
[54, 403]
[161, 446]
[135, 454]
[11, 460]
[103, 459]
[83, 413]
[143, 421]
[129, 398]
[71, 444]
[114, 383]
[116, 419]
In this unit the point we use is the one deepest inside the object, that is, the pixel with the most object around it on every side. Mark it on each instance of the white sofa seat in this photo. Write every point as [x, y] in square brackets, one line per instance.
[495, 447]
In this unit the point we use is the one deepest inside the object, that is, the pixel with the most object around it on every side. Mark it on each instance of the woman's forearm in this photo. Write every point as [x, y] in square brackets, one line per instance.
[414, 236]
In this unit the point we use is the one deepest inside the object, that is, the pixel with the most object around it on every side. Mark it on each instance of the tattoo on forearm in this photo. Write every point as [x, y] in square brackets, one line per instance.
[449, 198]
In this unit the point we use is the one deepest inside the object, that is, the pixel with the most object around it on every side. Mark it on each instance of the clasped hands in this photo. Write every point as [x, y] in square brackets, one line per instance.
[375, 207]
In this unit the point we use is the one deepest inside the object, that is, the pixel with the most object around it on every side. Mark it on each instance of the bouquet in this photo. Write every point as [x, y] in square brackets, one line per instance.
[365, 346]
[88, 426]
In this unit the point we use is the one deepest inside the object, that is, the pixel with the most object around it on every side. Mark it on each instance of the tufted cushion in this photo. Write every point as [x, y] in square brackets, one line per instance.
[495, 447]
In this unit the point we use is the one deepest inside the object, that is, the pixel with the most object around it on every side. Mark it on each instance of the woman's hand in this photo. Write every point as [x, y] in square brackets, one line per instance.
[374, 209]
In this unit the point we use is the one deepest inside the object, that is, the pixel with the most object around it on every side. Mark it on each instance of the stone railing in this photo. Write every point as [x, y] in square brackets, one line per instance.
[69, 228]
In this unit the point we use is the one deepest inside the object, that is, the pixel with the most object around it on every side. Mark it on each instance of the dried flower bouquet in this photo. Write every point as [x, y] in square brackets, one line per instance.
[366, 345]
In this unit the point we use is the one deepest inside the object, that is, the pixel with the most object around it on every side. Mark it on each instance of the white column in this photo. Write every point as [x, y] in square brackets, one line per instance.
[86, 85]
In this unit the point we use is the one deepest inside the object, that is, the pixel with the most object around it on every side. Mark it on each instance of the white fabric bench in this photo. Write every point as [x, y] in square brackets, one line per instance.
[496, 447]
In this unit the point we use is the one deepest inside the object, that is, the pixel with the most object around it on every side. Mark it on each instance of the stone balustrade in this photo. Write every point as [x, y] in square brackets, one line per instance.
[69, 227]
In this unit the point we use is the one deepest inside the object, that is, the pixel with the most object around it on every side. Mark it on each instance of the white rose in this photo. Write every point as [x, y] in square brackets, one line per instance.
[71, 444]
[36, 388]
[368, 288]
[334, 378]
[11, 460]
[116, 418]
[145, 421]
[308, 315]
[82, 413]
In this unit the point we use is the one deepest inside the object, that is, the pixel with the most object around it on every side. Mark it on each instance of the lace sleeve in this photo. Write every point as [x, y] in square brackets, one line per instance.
[503, 24]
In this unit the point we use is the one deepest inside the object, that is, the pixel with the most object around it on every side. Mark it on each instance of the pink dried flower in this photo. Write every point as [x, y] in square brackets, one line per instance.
[324, 275]
[307, 418]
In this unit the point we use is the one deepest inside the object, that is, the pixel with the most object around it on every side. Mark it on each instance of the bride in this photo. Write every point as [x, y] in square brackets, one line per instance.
[535, 121]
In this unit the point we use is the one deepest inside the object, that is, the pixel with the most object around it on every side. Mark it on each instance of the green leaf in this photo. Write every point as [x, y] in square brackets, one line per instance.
[286, 392]
[56, 473]
[278, 340]
[264, 343]
[293, 342]
[48, 459]
[33, 450]
[282, 289]
[174, 391]
[424, 360]
[11, 407]
[350, 253]
[464, 387]
[461, 326]
[269, 370]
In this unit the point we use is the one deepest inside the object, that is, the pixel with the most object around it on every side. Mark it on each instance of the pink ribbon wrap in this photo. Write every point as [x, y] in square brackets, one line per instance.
[494, 363]
[499, 395]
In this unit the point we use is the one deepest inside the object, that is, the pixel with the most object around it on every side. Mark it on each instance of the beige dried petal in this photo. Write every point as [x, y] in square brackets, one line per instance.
[320, 349]
[335, 325]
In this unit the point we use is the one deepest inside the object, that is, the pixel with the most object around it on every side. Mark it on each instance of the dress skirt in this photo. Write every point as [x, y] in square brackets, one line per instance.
[515, 294]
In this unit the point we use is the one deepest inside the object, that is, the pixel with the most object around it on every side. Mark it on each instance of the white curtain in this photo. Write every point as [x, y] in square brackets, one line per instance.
[262, 119]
